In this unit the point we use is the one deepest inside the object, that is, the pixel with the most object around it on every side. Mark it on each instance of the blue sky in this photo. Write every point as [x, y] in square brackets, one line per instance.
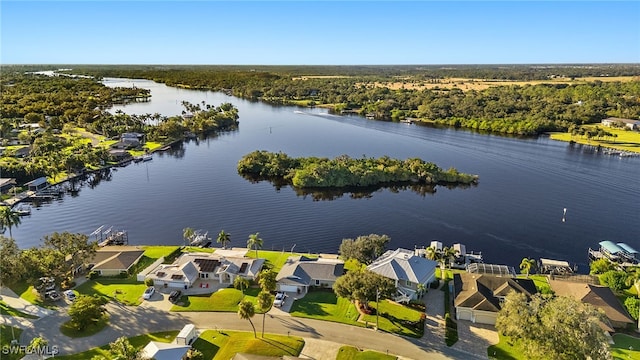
[322, 32]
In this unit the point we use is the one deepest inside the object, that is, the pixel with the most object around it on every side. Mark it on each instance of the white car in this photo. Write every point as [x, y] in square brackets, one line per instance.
[71, 296]
[148, 293]
[279, 300]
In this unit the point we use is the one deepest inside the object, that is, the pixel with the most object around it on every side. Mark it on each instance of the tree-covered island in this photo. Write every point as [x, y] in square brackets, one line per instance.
[344, 171]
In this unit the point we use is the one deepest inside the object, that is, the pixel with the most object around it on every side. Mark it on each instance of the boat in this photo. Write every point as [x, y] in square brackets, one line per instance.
[22, 210]
[201, 239]
[147, 157]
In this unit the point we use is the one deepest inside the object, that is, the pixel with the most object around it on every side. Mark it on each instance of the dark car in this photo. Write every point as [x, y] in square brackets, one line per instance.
[175, 295]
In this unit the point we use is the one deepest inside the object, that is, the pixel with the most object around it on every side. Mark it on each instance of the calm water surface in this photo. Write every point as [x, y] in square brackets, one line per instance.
[515, 211]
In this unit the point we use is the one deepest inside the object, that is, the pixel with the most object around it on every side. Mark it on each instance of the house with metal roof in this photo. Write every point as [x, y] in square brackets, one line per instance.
[631, 124]
[165, 351]
[299, 273]
[407, 270]
[477, 297]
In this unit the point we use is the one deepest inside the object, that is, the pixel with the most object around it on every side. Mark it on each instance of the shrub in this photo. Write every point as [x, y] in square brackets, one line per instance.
[93, 275]
[451, 330]
[633, 306]
[435, 284]
[148, 281]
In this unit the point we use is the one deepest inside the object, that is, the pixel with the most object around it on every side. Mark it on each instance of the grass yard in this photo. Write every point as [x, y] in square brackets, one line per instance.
[625, 347]
[126, 291]
[626, 140]
[540, 281]
[138, 342]
[505, 349]
[325, 305]
[397, 319]
[275, 259]
[5, 309]
[225, 344]
[156, 252]
[221, 300]
[353, 353]
[7, 334]
[92, 329]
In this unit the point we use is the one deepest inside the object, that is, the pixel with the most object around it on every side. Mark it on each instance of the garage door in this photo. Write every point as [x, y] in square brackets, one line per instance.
[175, 284]
[288, 288]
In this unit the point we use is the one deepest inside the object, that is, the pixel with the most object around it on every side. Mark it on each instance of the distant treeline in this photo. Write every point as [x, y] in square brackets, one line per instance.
[343, 171]
[513, 109]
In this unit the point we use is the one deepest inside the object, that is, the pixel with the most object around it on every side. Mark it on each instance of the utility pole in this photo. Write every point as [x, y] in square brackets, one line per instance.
[377, 306]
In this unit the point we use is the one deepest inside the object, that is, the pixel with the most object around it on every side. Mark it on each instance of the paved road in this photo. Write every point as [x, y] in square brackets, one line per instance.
[131, 321]
[322, 338]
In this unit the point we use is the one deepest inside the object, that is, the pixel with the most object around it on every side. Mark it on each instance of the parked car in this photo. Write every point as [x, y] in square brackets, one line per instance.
[70, 295]
[52, 295]
[279, 300]
[148, 293]
[175, 295]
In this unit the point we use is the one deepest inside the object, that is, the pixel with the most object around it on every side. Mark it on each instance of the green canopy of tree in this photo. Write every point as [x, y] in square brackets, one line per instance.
[553, 327]
[364, 249]
[345, 171]
[86, 310]
[363, 286]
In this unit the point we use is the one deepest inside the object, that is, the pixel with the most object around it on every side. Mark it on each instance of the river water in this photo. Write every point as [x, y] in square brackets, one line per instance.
[515, 211]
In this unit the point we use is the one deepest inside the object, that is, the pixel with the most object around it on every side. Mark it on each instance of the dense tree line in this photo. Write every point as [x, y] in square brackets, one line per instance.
[344, 171]
[60, 104]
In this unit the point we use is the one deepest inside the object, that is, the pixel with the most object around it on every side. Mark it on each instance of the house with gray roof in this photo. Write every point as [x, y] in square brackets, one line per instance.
[300, 272]
[478, 297]
[407, 269]
[631, 124]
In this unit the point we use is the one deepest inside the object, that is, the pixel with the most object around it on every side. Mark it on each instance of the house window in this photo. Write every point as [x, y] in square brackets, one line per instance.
[317, 282]
[407, 282]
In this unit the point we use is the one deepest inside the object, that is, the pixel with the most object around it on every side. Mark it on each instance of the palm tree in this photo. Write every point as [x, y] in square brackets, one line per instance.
[240, 283]
[432, 253]
[246, 310]
[255, 242]
[448, 255]
[526, 265]
[187, 235]
[223, 238]
[9, 218]
[264, 301]
[421, 289]
[267, 280]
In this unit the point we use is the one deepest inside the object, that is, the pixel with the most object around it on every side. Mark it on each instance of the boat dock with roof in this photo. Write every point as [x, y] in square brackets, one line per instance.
[619, 253]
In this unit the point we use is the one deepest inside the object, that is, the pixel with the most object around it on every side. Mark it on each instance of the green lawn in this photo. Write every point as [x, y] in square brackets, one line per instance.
[6, 335]
[397, 319]
[352, 353]
[626, 140]
[275, 259]
[126, 291]
[325, 305]
[540, 281]
[508, 349]
[225, 344]
[5, 309]
[221, 300]
[625, 347]
[138, 342]
[92, 329]
[156, 252]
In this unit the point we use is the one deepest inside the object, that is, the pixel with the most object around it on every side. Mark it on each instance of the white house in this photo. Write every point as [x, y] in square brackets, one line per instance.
[165, 351]
[407, 269]
[628, 123]
[222, 266]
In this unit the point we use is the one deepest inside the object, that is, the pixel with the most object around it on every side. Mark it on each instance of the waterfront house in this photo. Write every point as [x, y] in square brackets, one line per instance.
[631, 124]
[7, 184]
[600, 297]
[407, 270]
[115, 260]
[222, 267]
[119, 155]
[300, 272]
[478, 297]
[37, 184]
